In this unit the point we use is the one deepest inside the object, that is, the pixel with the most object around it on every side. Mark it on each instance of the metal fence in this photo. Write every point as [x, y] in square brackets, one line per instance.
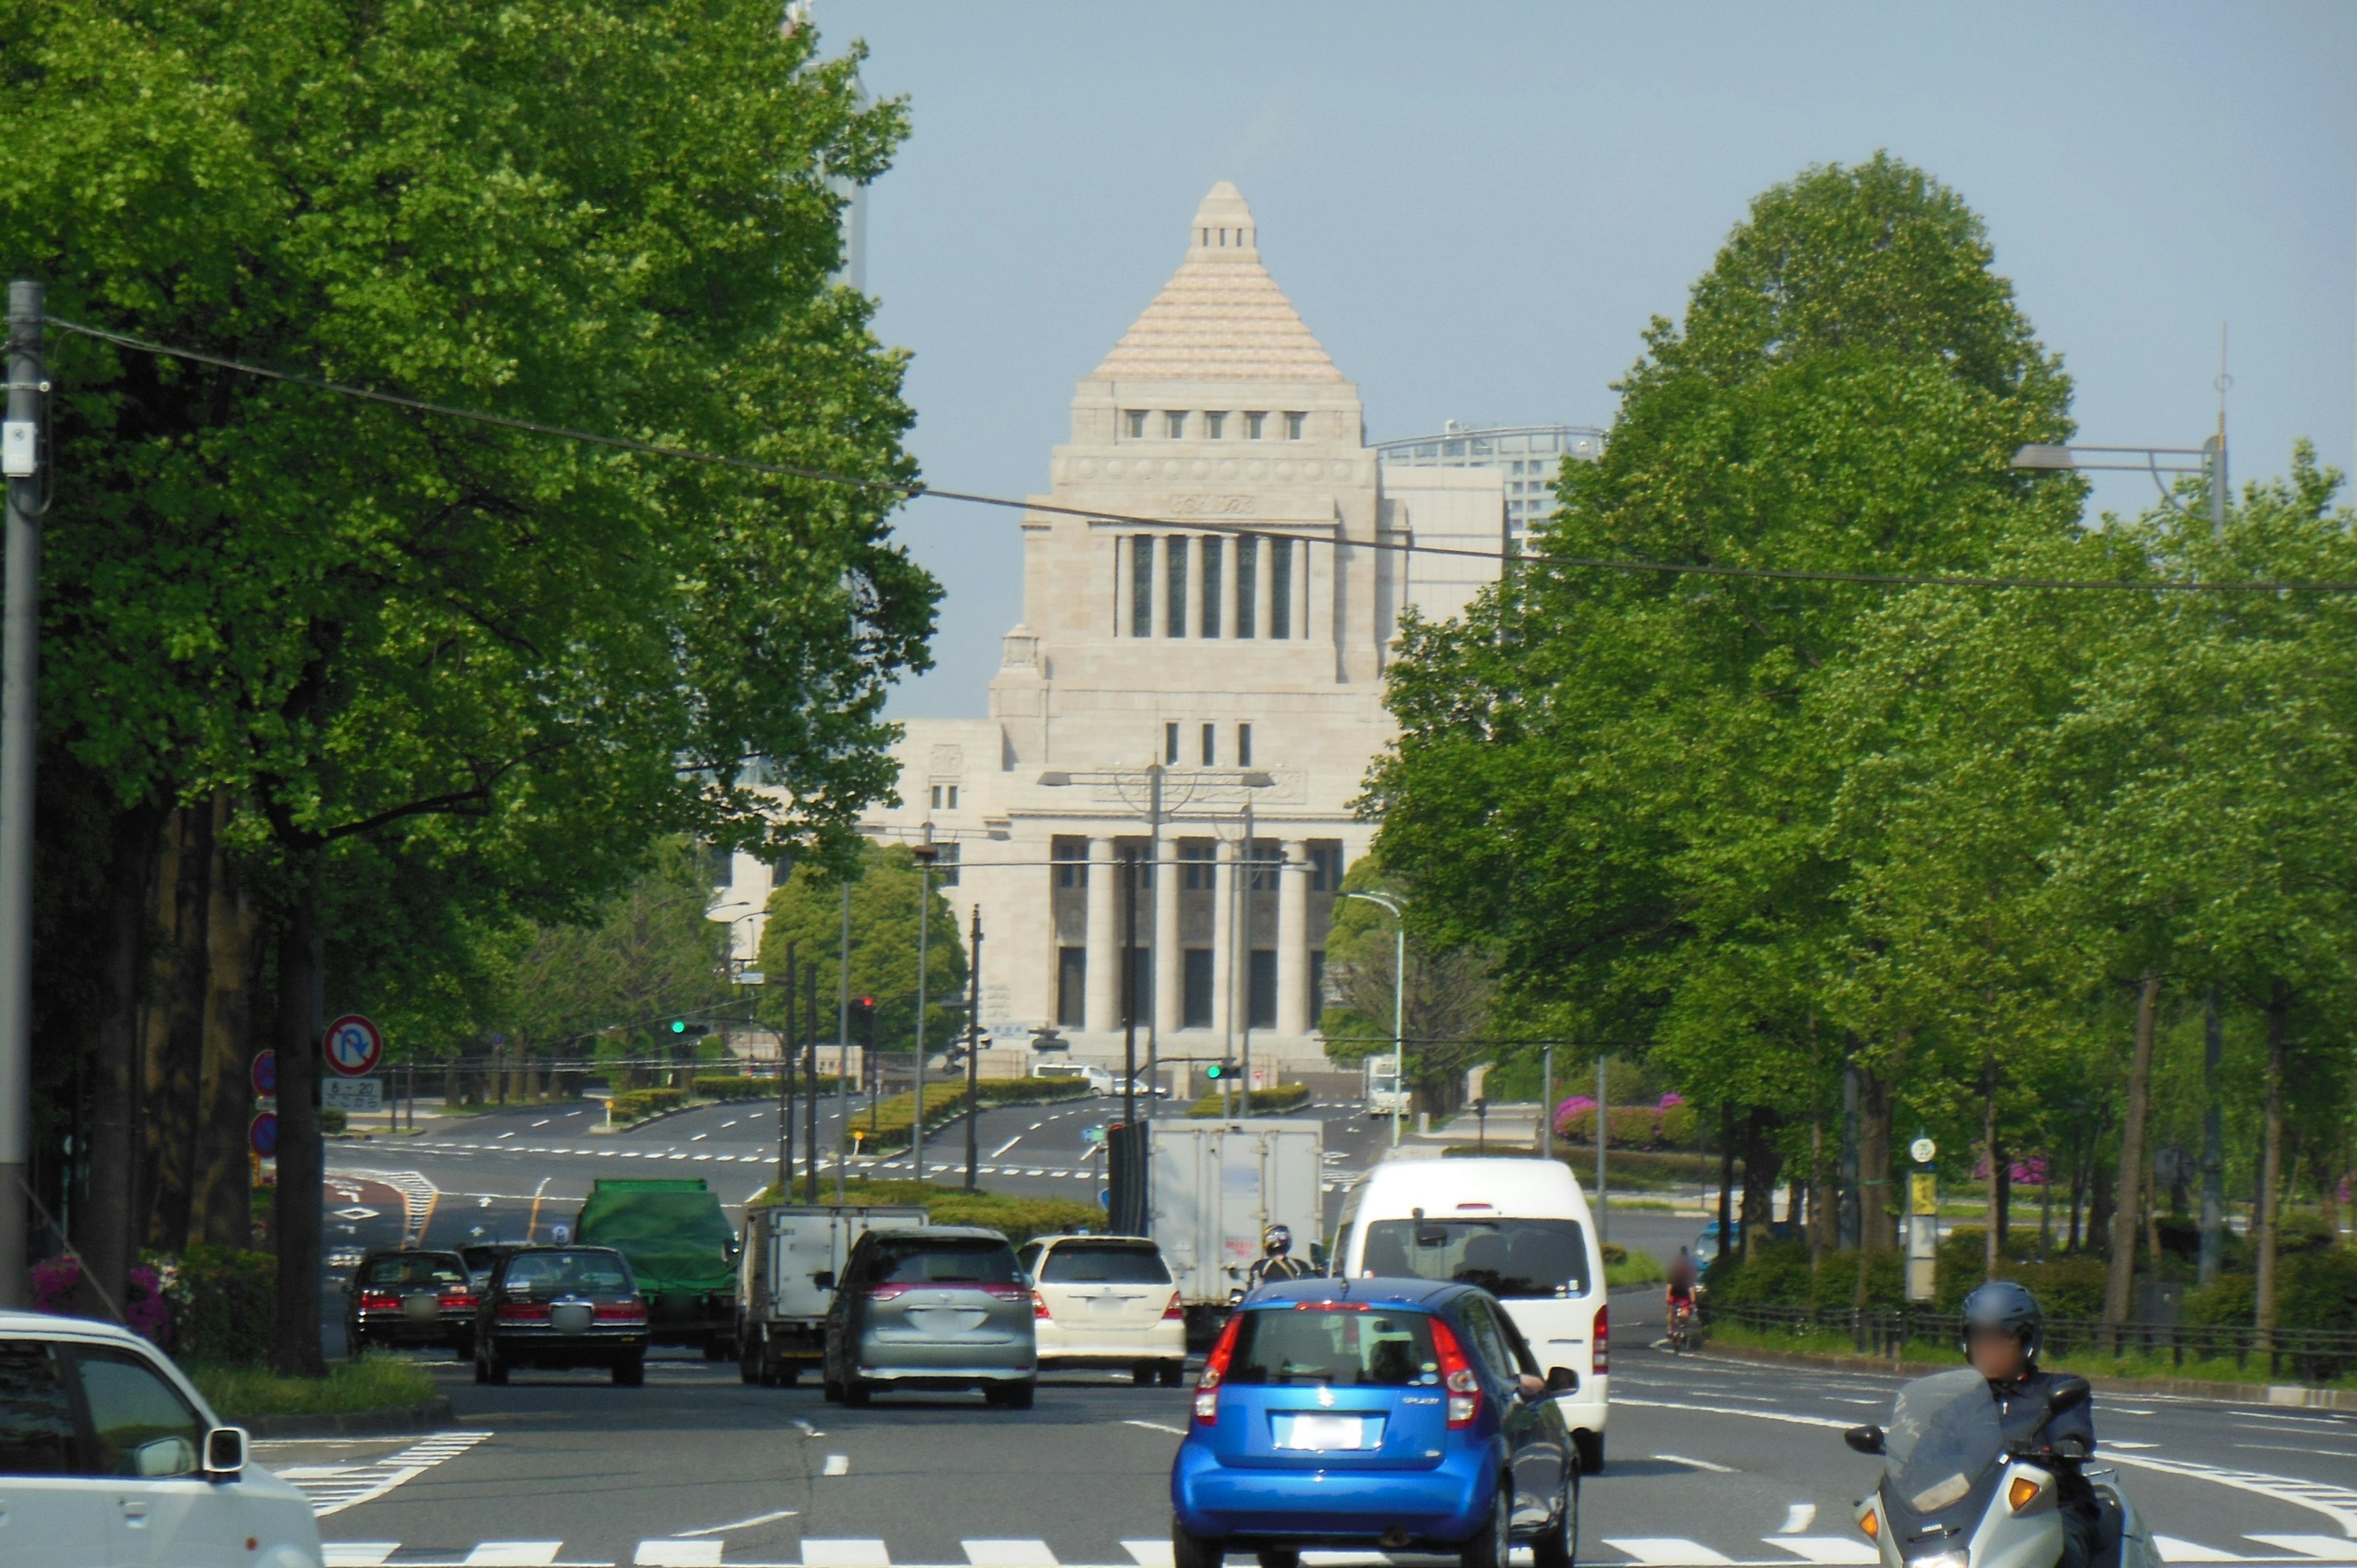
[2312, 1355]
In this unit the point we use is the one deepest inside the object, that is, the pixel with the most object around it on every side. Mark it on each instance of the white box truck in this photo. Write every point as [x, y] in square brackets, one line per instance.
[1216, 1186]
[793, 1254]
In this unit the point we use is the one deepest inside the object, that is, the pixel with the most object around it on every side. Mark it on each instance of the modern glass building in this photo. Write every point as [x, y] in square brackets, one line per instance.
[1528, 455]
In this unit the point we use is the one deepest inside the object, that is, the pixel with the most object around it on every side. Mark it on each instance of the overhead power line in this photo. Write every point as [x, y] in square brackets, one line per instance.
[915, 490]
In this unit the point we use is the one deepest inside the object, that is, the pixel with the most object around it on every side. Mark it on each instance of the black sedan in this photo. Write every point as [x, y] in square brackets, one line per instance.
[400, 1297]
[562, 1307]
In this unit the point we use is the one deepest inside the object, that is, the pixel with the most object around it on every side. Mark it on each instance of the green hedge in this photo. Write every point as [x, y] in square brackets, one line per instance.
[638, 1104]
[1020, 1218]
[945, 1103]
[1780, 1275]
[737, 1087]
[1633, 1127]
[224, 1306]
[2069, 1286]
[2314, 1289]
[1284, 1097]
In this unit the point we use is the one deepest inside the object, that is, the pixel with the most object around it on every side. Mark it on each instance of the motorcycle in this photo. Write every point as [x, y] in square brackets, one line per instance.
[1685, 1318]
[1956, 1494]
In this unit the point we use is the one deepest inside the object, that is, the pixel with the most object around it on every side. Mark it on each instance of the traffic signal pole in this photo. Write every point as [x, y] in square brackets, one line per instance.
[19, 668]
[843, 1047]
[973, 1049]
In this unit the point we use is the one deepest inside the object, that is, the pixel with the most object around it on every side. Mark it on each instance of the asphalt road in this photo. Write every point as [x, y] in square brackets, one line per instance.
[1711, 1462]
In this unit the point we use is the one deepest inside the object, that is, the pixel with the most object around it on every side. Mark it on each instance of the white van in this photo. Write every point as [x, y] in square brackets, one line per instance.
[108, 1455]
[1519, 1229]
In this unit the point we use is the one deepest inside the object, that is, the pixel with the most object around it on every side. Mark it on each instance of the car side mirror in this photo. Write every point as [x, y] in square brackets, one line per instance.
[2070, 1393]
[1865, 1439]
[225, 1448]
[1562, 1381]
[823, 1279]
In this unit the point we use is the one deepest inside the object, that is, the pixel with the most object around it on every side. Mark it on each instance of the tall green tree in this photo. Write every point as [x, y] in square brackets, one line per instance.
[1612, 779]
[374, 635]
[806, 910]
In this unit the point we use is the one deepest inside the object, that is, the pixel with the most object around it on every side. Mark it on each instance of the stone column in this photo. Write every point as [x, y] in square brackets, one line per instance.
[1293, 942]
[1124, 568]
[1302, 598]
[1169, 959]
[1194, 621]
[1223, 944]
[1103, 1000]
[1265, 561]
[1161, 589]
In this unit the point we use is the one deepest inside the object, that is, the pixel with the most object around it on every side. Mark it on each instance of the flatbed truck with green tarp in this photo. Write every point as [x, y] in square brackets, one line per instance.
[683, 1251]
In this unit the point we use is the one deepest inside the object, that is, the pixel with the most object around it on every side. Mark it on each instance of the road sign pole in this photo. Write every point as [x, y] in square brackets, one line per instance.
[19, 661]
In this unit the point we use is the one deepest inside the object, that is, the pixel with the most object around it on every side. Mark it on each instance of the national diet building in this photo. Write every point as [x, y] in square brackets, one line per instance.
[1213, 586]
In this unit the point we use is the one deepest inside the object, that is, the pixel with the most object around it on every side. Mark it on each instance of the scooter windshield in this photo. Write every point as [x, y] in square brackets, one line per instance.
[1944, 1437]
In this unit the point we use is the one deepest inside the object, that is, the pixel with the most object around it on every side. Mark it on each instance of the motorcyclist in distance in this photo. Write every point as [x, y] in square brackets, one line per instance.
[1276, 1261]
[2002, 1329]
[1682, 1279]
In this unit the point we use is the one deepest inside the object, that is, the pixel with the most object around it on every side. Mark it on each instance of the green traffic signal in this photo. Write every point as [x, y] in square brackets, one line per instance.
[1217, 1070]
[679, 1026]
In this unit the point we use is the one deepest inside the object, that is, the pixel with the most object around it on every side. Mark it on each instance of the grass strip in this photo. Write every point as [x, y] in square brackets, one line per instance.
[375, 1381]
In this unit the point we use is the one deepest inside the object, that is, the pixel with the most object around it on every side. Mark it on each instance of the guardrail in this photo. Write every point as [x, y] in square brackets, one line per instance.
[2312, 1355]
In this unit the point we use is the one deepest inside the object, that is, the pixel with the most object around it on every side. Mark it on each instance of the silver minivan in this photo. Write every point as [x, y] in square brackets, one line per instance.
[944, 1307]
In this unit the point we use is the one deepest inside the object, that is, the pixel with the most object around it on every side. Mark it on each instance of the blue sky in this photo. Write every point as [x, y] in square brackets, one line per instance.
[1478, 206]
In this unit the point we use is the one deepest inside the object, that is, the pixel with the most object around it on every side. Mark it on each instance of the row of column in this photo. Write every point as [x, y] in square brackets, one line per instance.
[1229, 988]
[1148, 615]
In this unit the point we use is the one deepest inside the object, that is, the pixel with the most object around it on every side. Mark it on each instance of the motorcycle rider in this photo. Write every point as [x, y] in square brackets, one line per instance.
[1276, 1261]
[1678, 1291]
[2002, 1329]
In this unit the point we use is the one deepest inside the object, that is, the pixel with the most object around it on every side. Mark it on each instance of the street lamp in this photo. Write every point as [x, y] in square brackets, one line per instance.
[924, 852]
[1399, 998]
[2211, 465]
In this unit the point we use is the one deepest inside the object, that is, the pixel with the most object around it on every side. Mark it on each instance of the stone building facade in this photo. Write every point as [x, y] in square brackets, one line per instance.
[1208, 603]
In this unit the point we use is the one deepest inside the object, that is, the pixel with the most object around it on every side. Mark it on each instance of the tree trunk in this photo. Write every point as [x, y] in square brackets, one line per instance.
[103, 1226]
[2119, 1286]
[222, 1213]
[1993, 1243]
[1877, 1225]
[2266, 1217]
[177, 1067]
[1761, 1165]
[1725, 1173]
[1821, 1189]
[301, 1155]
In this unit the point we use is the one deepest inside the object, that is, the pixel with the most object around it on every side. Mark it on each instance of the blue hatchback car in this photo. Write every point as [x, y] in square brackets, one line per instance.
[1394, 1413]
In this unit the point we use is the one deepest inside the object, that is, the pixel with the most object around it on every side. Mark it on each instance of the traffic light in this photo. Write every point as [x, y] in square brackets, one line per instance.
[863, 1021]
[679, 1026]
[1216, 1070]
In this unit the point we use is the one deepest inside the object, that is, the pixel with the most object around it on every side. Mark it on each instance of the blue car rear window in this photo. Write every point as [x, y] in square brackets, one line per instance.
[1509, 1257]
[1350, 1347]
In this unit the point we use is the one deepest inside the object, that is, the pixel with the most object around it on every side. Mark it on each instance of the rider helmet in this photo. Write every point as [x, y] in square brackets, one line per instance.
[1277, 1242]
[2002, 1303]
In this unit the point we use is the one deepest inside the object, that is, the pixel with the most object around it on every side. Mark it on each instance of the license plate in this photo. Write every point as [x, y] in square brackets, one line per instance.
[1324, 1433]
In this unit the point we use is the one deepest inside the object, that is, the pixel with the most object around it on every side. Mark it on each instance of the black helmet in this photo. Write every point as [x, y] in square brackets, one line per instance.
[2002, 1303]
[1277, 1241]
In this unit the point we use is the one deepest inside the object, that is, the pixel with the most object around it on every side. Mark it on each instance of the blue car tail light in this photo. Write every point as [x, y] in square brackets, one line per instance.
[1215, 1366]
[1457, 1375]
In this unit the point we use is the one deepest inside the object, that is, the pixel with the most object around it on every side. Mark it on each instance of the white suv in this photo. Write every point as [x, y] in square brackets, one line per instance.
[1105, 1301]
[108, 1456]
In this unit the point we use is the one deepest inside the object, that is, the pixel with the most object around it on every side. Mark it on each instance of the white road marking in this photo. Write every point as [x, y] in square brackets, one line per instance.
[1007, 1145]
[2110, 1444]
[2337, 1548]
[1024, 1553]
[1828, 1548]
[1150, 1554]
[2268, 1447]
[803, 1426]
[1665, 1549]
[677, 1554]
[357, 1553]
[513, 1554]
[865, 1552]
[332, 1488]
[2172, 1549]
[1798, 1517]
[2338, 1504]
[1157, 1426]
[838, 1464]
[741, 1523]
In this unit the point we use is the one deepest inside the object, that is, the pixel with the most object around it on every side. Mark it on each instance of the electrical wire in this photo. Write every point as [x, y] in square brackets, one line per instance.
[916, 489]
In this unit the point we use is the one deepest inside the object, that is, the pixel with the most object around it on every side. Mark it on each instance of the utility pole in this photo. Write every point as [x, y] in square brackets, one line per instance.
[1546, 1102]
[786, 1088]
[1603, 1137]
[20, 649]
[810, 1076]
[1240, 966]
[843, 1046]
[973, 1047]
[1154, 954]
[924, 852]
[2214, 1025]
[1129, 989]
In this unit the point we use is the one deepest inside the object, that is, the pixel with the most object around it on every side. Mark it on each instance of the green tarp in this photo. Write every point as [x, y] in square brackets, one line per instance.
[673, 1231]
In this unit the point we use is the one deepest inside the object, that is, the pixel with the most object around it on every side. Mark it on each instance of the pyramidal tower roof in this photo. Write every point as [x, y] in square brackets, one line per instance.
[1220, 317]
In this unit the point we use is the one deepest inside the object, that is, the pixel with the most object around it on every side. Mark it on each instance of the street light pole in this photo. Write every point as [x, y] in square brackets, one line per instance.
[843, 1047]
[20, 649]
[973, 1047]
[924, 852]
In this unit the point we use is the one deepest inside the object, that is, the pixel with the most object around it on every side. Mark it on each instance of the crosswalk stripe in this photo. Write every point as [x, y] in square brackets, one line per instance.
[1827, 1549]
[854, 1553]
[2328, 1546]
[513, 1554]
[1150, 1554]
[358, 1553]
[2172, 1549]
[1665, 1549]
[678, 1554]
[1024, 1553]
